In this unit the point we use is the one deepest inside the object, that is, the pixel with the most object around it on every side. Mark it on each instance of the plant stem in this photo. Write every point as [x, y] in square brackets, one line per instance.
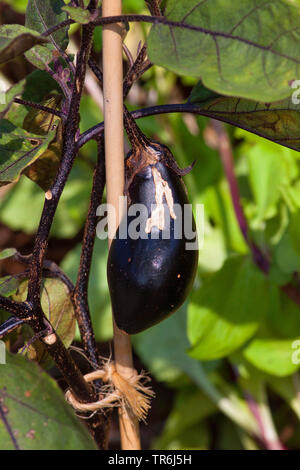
[80, 295]
[260, 409]
[225, 150]
[82, 390]
[173, 108]
[39, 106]
[139, 67]
[114, 154]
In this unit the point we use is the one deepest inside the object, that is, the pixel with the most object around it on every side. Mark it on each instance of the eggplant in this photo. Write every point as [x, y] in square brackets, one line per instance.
[150, 276]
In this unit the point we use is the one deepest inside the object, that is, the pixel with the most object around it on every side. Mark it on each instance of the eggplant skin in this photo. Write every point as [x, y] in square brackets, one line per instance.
[149, 278]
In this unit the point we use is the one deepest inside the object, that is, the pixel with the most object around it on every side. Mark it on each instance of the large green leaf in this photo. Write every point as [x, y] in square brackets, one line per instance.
[227, 310]
[15, 39]
[19, 149]
[278, 121]
[247, 49]
[40, 16]
[35, 415]
[168, 359]
[274, 356]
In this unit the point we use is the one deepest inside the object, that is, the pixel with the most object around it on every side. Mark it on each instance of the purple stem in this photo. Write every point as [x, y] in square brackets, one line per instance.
[226, 155]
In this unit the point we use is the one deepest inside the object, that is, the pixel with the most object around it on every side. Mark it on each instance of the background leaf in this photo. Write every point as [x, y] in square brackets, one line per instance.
[40, 16]
[272, 356]
[15, 39]
[37, 416]
[278, 121]
[248, 50]
[7, 253]
[19, 149]
[44, 169]
[8, 97]
[80, 15]
[227, 310]
[99, 300]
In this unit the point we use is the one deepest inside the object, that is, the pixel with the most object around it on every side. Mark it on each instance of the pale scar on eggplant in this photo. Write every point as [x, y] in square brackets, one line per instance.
[162, 189]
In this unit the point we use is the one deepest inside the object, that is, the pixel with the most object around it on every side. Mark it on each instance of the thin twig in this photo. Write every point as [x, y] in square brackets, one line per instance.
[128, 54]
[46, 109]
[137, 69]
[175, 108]
[80, 295]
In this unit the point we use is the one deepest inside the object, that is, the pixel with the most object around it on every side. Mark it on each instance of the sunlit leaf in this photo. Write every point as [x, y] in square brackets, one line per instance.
[247, 49]
[58, 308]
[40, 16]
[278, 121]
[44, 169]
[6, 98]
[19, 149]
[227, 310]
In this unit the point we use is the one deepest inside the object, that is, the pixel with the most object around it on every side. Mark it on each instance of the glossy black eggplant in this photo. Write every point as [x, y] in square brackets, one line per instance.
[150, 276]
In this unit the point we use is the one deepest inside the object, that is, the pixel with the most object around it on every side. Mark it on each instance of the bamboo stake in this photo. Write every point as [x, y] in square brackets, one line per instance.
[114, 157]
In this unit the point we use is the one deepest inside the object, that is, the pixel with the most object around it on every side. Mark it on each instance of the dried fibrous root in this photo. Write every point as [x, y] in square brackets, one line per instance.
[130, 393]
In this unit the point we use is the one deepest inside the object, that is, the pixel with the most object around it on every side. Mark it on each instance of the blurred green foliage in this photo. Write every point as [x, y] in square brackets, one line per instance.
[234, 336]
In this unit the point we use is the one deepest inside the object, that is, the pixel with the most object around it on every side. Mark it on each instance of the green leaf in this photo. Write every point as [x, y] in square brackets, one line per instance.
[9, 285]
[266, 174]
[182, 426]
[274, 356]
[37, 416]
[6, 98]
[22, 206]
[79, 15]
[19, 149]
[168, 359]
[287, 388]
[40, 16]
[247, 49]
[285, 257]
[294, 231]
[18, 5]
[7, 253]
[58, 307]
[218, 204]
[283, 319]
[39, 84]
[279, 121]
[44, 169]
[16, 39]
[99, 300]
[227, 310]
